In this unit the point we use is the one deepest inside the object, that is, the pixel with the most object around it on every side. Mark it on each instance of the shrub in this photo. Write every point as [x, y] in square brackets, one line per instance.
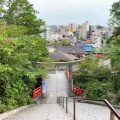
[19, 67]
[96, 90]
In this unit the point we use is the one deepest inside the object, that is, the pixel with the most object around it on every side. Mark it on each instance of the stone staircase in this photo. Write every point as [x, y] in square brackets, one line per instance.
[57, 85]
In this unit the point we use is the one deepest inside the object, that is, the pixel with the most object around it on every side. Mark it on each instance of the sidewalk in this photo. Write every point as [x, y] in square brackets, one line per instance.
[57, 85]
[41, 112]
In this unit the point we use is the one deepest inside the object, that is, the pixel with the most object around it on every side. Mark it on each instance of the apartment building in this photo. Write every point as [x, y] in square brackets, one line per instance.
[46, 34]
[72, 28]
[62, 29]
[84, 30]
[96, 38]
[54, 36]
[54, 29]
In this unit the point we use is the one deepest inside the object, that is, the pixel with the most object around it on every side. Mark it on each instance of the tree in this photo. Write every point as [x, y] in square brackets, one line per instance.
[115, 20]
[97, 90]
[99, 27]
[113, 45]
[21, 12]
[19, 55]
[115, 14]
[84, 70]
[64, 42]
[113, 53]
[81, 38]
[55, 44]
[2, 2]
[113, 42]
[88, 71]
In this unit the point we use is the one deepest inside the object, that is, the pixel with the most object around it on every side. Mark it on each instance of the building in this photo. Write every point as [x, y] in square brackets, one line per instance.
[96, 38]
[54, 29]
[62, 29]
[46, 34]
[72, 28]
[54, 36]
[74, 50]
[59, 56]
[84, 30]
[88, 49]
[86, 42]
[72, 39]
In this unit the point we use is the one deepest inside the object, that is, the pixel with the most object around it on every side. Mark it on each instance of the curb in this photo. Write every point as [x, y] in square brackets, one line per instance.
[8, 113]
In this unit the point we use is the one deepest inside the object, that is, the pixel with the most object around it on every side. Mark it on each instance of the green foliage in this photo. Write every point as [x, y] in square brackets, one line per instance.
[88, 71]
[113, 47]
[84, 70]
[115, 20]
[118, 95]
[94, 79]
[98, 81]
[19, 55]
[81, 38]
[115, 83]
[115, 14]
[21, 12]
[115, 38]
[55, 43]
[97, 90]
[64, 42]
[101, 73]
[99, 27]
[113, 52]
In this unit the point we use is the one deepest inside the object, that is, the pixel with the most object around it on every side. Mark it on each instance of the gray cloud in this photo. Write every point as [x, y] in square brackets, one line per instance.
[75, 11]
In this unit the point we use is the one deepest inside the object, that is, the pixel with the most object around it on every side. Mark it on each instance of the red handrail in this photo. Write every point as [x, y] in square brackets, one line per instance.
[37, 92]
[78, 90]
[75, 89]
[67, 74]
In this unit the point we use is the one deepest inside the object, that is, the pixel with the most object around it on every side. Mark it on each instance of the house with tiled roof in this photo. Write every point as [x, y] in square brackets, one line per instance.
[73, 50]
[60, 56]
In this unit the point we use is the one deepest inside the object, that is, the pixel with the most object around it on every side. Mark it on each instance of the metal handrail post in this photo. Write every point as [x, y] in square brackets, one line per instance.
[112, 116]
[57, 99]
[66, 105]
[74, 110]
[60, 99]
[63, 102]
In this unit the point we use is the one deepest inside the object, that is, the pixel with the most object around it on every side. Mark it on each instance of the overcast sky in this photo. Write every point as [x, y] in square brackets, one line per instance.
[58, 12]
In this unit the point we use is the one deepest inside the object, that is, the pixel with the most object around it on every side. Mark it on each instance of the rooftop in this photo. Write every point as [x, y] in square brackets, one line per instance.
[62, 56]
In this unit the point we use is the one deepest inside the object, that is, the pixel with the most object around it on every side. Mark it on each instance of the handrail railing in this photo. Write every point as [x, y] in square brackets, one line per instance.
[37, 92]
[67, 74]
[113, 110]
[78, 90]
[114, 113]
[75, 89]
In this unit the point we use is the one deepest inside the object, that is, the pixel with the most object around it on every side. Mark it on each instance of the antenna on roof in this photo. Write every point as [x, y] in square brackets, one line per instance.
[66, 27]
